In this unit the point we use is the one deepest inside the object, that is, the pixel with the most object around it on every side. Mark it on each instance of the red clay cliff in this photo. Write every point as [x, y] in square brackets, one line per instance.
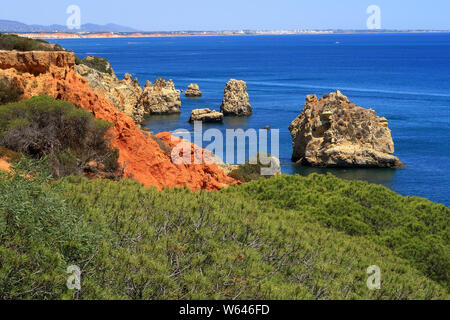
[52, 73]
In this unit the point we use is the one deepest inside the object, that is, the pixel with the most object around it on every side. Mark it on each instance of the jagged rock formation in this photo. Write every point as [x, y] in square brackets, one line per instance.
[160, 97]
[125, 94]
[206, 115]
[193, 91]
[236, 101]
[334, 132]
[143, 159]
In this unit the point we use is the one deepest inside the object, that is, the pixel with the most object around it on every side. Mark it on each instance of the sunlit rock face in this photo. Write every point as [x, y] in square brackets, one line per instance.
[334, 132]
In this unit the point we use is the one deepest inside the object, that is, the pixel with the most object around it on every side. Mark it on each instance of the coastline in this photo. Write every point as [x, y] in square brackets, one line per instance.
[110, 35]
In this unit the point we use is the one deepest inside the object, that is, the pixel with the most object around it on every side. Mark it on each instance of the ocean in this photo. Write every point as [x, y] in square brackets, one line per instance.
[403, 77]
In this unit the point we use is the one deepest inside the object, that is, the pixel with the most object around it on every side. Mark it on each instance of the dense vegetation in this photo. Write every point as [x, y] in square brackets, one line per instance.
[71, 138]
[97, 63]
[13, 42]
[248, 172]
[133, 242]
[9, 92]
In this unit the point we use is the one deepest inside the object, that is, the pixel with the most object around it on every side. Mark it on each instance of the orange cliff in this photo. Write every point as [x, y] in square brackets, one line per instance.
[52, 73]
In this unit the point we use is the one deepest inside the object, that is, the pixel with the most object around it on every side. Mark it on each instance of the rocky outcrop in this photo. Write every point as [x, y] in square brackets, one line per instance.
[193, 91]
[334, 132]
[236, 101]
[206, 115]
[160, 97]
[140, 155]
[37, 62]
[125, 94]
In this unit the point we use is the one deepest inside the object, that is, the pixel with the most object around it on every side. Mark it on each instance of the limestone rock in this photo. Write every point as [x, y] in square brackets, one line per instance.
[236, 101]
[160, 98]
[206, 115]
[334, 132]
[125, 94]
[193, 91]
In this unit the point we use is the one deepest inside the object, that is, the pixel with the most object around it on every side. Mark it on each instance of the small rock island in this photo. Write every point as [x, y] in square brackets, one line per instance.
[334, 132]
[236, 101]
[193, 91]
[206, 115]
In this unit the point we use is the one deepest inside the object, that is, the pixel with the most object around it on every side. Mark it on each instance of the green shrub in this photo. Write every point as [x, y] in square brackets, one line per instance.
[14, 42]
[248, 172]
[40, 236]
[97, 63]
[414, 228]
[72, 139]
[137, 243]
[223, 245]
[9, 92]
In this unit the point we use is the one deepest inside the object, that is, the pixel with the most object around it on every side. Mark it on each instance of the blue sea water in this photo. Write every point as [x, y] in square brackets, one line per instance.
[403, 77]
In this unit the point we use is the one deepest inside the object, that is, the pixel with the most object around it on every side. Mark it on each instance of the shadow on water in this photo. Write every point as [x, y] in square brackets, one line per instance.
[381, 176]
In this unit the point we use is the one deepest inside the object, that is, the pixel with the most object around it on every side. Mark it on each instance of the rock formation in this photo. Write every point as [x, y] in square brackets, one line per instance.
[334, 132]
[206, 115]
[160, 98]
[193, 91]
[125, 94]
[236, 101]
[143, 159]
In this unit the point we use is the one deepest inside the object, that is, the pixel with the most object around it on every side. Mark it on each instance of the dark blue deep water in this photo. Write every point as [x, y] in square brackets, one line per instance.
[404, 77]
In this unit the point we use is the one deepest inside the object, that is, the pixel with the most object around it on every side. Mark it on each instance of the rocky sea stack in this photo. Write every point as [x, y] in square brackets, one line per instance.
[334, 132]
[193, 91]
[236, 101]
[161, 97]
[206, 115]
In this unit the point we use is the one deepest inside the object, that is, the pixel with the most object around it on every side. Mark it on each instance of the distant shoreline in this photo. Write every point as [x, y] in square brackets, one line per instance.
[61, 35]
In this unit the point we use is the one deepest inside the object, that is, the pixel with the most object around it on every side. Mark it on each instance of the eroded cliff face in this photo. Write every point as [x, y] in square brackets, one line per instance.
[334, 132]
[53, 73]
[125, 94]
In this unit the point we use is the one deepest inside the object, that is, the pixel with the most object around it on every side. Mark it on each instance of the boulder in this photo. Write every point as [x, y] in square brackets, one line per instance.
[160, 98]
[334, 132]
[193, 91]
[236, 101]
[206, 115]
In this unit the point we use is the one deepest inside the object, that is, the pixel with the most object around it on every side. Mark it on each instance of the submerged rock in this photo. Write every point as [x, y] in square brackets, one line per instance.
[334, 132]
[236, 101]
[193, 91]
[160, 98]
[206, 115]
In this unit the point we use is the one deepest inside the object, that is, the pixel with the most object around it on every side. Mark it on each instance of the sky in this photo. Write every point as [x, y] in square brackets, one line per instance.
[172, 15]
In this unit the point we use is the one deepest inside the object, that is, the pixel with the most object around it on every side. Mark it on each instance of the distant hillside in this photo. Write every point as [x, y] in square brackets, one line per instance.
[14, 26]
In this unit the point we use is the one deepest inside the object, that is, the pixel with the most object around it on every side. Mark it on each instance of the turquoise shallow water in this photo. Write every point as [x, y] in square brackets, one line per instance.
[404, 77]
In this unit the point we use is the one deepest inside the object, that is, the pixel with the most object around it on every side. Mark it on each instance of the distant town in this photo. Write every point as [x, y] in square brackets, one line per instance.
[111, 30]
[94, 35]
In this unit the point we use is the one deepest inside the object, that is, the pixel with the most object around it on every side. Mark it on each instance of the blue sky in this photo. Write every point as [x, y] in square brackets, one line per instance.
[168, 15]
